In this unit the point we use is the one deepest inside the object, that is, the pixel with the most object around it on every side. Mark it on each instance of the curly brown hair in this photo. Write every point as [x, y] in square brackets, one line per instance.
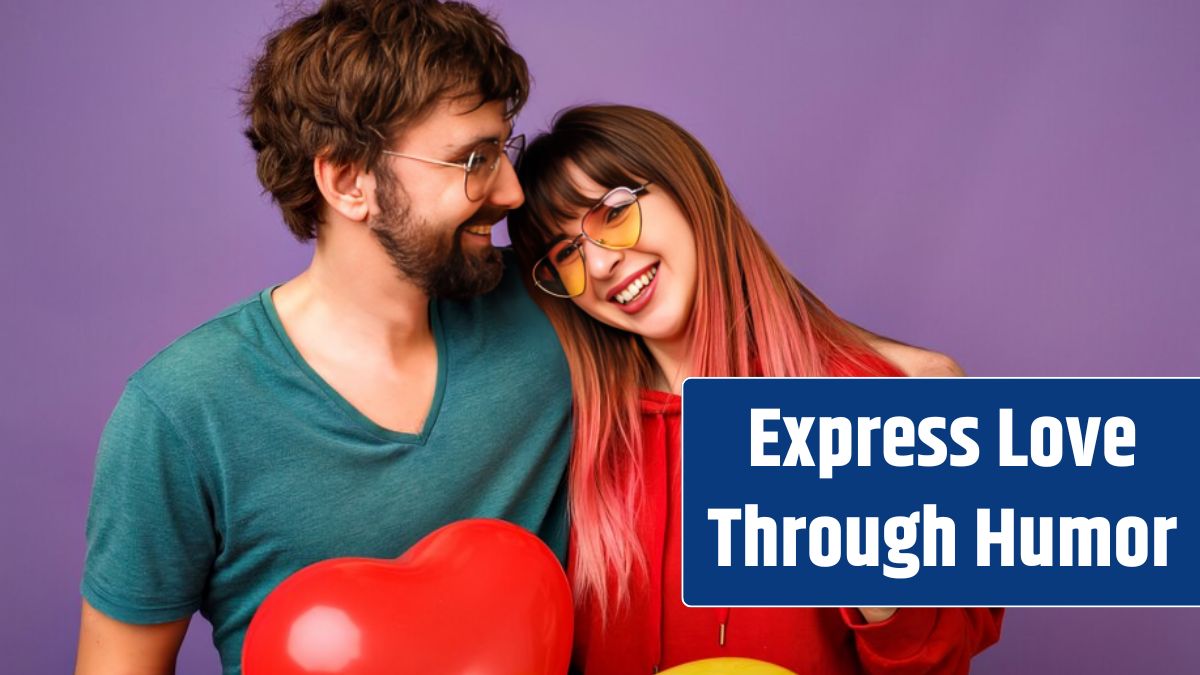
[340, 82]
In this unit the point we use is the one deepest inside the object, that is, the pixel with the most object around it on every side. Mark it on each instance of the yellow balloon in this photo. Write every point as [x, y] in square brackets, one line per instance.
[727, 666]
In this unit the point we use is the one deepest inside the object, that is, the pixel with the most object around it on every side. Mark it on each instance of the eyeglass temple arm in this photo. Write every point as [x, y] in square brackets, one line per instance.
[454, 165]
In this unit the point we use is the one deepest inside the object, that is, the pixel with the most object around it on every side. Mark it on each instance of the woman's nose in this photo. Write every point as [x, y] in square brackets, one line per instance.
[601, 261]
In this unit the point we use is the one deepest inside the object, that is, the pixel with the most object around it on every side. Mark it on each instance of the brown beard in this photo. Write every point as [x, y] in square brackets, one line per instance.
[431, 258]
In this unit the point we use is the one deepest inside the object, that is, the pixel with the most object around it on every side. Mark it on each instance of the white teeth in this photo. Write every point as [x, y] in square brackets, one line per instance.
[635, 287]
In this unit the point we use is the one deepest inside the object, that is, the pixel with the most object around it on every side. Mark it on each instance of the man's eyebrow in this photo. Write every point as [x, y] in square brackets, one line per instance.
[470, 145]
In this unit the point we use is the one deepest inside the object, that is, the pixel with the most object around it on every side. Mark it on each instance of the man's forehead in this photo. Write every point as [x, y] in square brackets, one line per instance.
[454, 121]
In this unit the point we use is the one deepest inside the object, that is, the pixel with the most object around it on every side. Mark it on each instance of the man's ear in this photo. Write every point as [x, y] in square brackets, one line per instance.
[346, 187]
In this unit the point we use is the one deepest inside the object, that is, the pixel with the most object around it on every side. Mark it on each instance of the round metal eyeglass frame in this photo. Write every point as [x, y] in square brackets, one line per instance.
[574, 241]
[513, 149]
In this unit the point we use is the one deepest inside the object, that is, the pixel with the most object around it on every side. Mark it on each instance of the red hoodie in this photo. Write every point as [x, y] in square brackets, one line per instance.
[654, 630]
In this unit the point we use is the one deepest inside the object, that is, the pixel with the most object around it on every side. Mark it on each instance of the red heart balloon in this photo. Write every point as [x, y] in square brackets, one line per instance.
[483, 597]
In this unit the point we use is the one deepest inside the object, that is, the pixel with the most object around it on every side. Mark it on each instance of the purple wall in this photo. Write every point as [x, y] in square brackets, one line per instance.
[1015, 183]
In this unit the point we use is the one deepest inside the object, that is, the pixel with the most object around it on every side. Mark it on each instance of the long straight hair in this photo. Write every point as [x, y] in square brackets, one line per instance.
[751, 317]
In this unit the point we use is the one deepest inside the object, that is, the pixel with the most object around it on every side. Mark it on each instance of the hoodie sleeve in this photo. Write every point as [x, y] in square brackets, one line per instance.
[923, 639]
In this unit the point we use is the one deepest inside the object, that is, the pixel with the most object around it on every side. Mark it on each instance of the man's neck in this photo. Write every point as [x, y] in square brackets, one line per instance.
[354, 296]
[363, 329]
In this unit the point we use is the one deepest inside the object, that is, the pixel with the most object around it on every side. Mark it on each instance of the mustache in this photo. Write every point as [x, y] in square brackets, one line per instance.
[485, 216]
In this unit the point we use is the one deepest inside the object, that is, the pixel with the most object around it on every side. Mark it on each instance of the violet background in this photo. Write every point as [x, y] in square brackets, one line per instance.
[1016, 183]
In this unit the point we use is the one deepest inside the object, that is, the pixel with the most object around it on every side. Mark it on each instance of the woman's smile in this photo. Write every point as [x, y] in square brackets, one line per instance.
[634, 293]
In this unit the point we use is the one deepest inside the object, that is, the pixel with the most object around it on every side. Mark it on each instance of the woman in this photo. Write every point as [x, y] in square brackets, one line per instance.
[651, 273]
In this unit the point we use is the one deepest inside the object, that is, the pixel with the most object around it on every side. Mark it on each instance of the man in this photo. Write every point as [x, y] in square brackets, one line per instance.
[403, 381]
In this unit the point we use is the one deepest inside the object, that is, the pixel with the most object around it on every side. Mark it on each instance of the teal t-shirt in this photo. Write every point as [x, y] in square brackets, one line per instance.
[229, 464]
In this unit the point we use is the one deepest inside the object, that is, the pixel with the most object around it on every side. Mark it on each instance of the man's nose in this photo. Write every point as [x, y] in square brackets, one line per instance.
[506, 190]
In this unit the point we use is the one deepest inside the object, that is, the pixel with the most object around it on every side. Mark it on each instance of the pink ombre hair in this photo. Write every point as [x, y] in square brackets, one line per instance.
[751, 316]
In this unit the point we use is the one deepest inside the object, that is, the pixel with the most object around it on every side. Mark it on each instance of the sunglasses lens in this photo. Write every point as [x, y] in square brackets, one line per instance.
[616, 222]
[562, 271]
[515, 149]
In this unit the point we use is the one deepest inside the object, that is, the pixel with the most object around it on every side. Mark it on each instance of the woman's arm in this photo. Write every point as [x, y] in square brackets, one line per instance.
[920, 640]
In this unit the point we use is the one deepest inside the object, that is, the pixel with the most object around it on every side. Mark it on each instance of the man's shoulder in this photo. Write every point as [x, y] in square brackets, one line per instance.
[508, 303]
[208, 354]
[511, 288]
[504, 320]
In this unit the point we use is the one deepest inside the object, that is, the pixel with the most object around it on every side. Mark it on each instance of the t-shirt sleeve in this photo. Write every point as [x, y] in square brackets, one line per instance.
[150, 533]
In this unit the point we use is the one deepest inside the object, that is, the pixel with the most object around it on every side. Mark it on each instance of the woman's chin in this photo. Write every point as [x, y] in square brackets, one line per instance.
[649, 323]
[654, 327]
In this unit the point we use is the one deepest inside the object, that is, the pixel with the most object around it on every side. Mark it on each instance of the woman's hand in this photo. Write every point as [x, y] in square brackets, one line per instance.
[877, 614]
[912, 361]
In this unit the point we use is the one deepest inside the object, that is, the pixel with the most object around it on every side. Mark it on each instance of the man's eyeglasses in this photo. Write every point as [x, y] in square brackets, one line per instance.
[481, 164]
[614, 222]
